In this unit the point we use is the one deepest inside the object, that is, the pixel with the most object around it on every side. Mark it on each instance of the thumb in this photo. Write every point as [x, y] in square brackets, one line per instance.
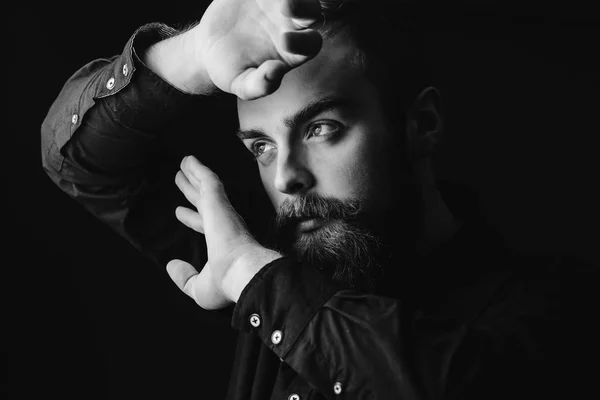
[198, 285]
[184, 275]
[259, 82]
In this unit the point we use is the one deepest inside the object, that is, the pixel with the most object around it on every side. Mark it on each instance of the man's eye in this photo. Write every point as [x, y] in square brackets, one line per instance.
[260, 148]
[322, 129]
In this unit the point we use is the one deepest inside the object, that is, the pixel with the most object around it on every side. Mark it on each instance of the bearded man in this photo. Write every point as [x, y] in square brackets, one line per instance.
[369, 284]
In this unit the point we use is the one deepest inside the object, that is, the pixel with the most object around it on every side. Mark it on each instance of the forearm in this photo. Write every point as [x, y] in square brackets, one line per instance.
[104, 144]
[114, 111]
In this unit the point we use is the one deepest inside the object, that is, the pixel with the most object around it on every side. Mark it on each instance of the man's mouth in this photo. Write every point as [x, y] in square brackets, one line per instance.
[307, 225]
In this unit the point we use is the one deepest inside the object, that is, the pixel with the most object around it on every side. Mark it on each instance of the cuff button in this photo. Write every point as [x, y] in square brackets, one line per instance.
[125, 70]
[255, 320]
[110, 83]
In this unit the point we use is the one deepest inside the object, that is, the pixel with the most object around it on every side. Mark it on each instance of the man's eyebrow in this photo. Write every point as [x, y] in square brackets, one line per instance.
[313, 109]
[310, 111]
[244, 134]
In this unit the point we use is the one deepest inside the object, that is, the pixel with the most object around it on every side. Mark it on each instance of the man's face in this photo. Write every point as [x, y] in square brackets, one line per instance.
[322, 135]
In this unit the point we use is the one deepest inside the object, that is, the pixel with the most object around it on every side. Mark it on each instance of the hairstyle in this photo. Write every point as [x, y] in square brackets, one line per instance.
[389, 45]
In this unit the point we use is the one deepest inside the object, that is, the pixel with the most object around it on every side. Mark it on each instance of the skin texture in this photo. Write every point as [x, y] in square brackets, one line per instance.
[345, 161]
[345, 153]
[355, 154]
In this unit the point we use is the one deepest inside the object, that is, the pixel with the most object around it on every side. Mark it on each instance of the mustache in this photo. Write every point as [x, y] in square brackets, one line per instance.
[294, 209]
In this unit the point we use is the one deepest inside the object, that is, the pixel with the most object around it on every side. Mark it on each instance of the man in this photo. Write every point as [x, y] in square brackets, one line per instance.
[371, 287]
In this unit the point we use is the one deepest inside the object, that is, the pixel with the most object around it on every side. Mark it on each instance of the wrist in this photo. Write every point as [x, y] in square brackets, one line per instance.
[178, 61]
[244, 269]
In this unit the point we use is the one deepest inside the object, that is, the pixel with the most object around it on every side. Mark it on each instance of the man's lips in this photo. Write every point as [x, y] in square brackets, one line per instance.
[310, 224]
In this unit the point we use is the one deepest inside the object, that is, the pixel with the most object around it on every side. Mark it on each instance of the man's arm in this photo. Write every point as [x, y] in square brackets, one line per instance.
[109, 138]
[105, 141]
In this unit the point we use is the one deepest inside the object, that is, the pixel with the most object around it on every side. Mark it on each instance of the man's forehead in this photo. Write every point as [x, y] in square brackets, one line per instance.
[331, 74]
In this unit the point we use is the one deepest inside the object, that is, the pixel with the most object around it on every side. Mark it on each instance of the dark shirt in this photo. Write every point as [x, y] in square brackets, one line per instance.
[472, 321]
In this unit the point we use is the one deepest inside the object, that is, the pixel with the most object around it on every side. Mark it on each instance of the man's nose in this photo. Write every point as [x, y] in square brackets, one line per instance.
[293, 175]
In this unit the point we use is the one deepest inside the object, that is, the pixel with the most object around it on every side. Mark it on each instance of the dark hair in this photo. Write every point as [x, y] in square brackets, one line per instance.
[389, 44]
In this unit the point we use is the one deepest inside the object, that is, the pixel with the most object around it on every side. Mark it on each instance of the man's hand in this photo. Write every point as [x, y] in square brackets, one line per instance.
[243, 47]
[247, 46]
[234, 256]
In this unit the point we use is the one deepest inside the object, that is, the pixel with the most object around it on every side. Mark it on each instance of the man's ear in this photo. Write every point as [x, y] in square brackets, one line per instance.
[425, 123]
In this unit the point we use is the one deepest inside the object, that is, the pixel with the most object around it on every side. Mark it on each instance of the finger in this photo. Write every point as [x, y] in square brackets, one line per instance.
[307, 43]
[216, 207]
[209, 185]
[184, 275]
[259, 82]
[188, 167]
[203, 175]
[190, 218]
[303, 13]
[199, 286]
[190, 192]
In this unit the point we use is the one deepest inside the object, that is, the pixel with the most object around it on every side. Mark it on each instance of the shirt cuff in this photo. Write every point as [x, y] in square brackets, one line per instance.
[146, 102]
[280, 300]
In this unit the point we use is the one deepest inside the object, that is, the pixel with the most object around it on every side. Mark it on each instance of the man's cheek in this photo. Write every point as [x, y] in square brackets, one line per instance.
[358, 177]
[267, 180]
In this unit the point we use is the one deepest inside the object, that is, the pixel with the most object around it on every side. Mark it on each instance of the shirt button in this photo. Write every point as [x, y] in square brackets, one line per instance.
[294, 396]
[125, 70]
[255, 320]
[337, 388]
[74, 118]
[276, 337]
[110, 84]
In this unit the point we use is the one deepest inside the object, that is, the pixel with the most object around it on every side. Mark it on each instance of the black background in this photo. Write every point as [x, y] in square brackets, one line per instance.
[90, 318]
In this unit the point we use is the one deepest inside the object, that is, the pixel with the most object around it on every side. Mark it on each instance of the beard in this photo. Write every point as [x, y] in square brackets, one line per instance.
[356, 246]
[343, 245]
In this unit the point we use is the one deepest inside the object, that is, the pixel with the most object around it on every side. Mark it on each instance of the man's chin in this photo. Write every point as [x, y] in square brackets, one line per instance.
[347, 252]
[317, 237]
